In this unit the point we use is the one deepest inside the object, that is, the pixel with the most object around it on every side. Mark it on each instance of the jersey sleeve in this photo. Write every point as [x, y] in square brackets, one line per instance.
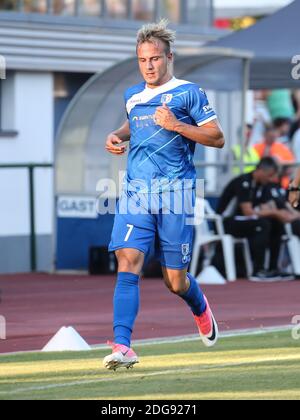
[276, 194]
[198, 106]
[244, 192]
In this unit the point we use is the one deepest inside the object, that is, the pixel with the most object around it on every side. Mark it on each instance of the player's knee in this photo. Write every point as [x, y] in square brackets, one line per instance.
[177, 289]
[130, 262]
[175, 280]
[176, 285]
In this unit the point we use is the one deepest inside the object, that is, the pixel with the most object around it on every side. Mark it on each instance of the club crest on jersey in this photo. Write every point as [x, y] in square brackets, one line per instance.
[166, 98]
[186, 259]
[185, 249]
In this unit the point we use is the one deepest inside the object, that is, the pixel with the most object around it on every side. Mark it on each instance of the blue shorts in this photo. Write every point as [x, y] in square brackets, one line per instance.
[144, 219]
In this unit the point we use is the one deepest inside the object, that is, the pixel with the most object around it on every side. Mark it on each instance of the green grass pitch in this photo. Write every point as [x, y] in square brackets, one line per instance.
[249, 367]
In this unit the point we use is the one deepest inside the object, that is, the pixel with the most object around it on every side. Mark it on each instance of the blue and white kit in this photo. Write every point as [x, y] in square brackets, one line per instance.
[160, 163]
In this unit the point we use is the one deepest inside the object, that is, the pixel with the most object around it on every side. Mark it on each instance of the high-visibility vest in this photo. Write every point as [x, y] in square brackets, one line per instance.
[277, 150]
[251, 159]
[280, 152]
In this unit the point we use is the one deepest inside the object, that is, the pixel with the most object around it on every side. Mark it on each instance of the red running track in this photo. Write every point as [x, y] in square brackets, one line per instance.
[36, 306]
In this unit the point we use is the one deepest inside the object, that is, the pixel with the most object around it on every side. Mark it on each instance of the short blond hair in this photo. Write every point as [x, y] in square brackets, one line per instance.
[157, 31]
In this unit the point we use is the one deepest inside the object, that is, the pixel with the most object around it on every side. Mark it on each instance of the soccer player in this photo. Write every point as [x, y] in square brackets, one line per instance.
[294, 191]
[166, 118]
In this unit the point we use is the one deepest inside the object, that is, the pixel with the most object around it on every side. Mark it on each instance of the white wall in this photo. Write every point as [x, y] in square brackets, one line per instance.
[29, 105]
[14, 202]
[44, 201]
[8, 120]
[28, 109]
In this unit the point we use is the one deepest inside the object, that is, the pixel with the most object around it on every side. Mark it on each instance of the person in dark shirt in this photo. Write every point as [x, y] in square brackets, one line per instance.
[246, 215]
[294, 190]
[276, 197]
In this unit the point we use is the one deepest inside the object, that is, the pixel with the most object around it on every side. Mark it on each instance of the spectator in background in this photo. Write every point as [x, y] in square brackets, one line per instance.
[143, 10]
[262, 117]
[271, 147]
[244, 218]
[296, 141]
[276, 197]
[296, 102]
[294, 191]
[280, 104]
[283, 126]
[251, 158]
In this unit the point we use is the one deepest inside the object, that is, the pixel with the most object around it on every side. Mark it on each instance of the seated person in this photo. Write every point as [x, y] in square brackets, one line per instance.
[243, 218]
[294, 191]
[271, 147]
[296, 140]
[276, 198]
[283, 127]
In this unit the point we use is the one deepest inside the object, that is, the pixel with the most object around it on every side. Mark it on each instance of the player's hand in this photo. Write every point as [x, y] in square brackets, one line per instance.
[284, 216]
[113, 143]
[294, 199]
[165, 118]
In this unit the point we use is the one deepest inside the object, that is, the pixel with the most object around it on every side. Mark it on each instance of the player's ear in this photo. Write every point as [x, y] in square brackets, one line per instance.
[170, 57]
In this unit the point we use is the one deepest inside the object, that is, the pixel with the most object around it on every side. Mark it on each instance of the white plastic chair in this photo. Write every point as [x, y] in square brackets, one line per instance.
[204, 235]
[293, 246]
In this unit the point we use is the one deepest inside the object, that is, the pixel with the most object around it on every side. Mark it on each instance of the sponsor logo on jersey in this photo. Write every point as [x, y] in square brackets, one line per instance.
[135, 101]
[207, 109]
[144, 121]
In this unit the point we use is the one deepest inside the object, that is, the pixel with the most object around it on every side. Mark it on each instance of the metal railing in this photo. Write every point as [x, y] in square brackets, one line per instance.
[78, 8]
[227, 171]
[30, 167]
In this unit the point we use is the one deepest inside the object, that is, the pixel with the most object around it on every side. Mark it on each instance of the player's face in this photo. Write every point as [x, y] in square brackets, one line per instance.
[155, 64]
[267, 176]
[271, 137]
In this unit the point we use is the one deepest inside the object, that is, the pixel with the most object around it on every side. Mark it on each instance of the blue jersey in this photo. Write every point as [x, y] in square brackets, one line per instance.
[160, 160]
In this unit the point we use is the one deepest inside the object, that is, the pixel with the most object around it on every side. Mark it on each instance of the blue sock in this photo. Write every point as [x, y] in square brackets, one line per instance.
[126, 307]
[194, 297]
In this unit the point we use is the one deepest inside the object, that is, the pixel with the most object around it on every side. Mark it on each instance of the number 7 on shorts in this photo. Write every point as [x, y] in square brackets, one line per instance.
[130, 227]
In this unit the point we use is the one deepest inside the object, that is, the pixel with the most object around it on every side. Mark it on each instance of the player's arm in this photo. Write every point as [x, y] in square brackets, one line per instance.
[294, 196]
[283, 216]
[244, 196]
[115, 140]
[209, 134]
[249, 211]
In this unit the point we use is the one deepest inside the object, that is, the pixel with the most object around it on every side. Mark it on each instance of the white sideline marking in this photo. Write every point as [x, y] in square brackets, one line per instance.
[194, 337]
[179, 339]
[148, 375]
